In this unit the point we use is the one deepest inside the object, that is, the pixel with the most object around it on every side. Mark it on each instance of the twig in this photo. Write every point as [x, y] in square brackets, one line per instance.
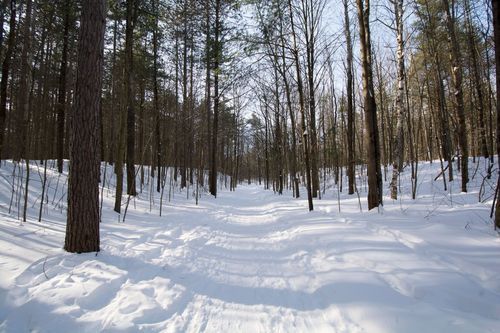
[442, 172]
[44, 268]
[494, 200]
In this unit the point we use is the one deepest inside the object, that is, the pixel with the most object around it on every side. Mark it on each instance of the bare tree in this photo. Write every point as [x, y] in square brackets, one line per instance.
[370, 106]
[397, 154]
[217, 49]
[496, 29]
[300, 87]
[458, 95]
[311, 11]
[350, 104]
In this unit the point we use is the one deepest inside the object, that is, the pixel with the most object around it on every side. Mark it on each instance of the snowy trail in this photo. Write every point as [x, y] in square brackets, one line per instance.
[252, 261]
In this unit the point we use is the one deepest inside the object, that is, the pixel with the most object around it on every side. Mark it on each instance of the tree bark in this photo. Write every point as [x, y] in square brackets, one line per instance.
[6, 72]
[310, 21]
[458, 96]
[397, 154]
[61, 98]
[350, 108]
[22, 110]
[130, 96]
[305, 140]
[208, 103]
[496, 30]
[370, 106]
[157, 135]
[478, 86]
[82, 229]
[215, 128]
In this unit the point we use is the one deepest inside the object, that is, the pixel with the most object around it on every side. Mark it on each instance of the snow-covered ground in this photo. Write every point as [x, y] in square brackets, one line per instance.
[253, 261]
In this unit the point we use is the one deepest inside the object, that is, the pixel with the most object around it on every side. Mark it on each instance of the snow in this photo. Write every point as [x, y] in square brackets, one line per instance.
[253, 261]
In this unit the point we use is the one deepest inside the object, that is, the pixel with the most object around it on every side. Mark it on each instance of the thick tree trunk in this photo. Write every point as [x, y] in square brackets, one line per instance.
[3, 8]
[22, 110]
[82, 229]
[6, 71]
[370, 106]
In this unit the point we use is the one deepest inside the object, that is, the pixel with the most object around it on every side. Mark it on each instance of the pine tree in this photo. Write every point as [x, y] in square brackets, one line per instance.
[82, 229]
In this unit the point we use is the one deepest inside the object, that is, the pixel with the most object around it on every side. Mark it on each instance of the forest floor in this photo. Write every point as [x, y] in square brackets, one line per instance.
[254, 261]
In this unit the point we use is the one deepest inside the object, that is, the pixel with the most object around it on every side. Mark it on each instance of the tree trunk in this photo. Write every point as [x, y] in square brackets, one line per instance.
[458, 99]
[350, 108]
[5, 72]
[284, 73]
[305, 140]
[397, 154]
[130, 96]
[3, 8]
[23, 93]
[208, 63]
[277, 132]
[309, 20]
[496, 29]
[82, 229]
[184, 116]
[370, 106]
[215, 129]
[61, 98]
[157, 136]
[477, 81]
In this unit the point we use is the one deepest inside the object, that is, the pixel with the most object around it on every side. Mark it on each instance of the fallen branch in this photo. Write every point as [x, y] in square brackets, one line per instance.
[442, 171]
[44, 273]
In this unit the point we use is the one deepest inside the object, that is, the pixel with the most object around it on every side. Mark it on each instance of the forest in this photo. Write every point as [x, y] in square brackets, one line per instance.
[161, 139]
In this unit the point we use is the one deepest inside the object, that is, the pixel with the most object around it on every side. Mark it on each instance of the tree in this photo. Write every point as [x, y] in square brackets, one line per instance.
[476, 72]
[350, 107]
[130, 95]
[305, 140]
[496, 31]
[157, 142]
[370, 106]
[217, 53]
[23, 105]
[397, 154]
[219, 56]
[82, 229]
[61, 97]
[458, 95]
[311, 11]
[5, 71]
